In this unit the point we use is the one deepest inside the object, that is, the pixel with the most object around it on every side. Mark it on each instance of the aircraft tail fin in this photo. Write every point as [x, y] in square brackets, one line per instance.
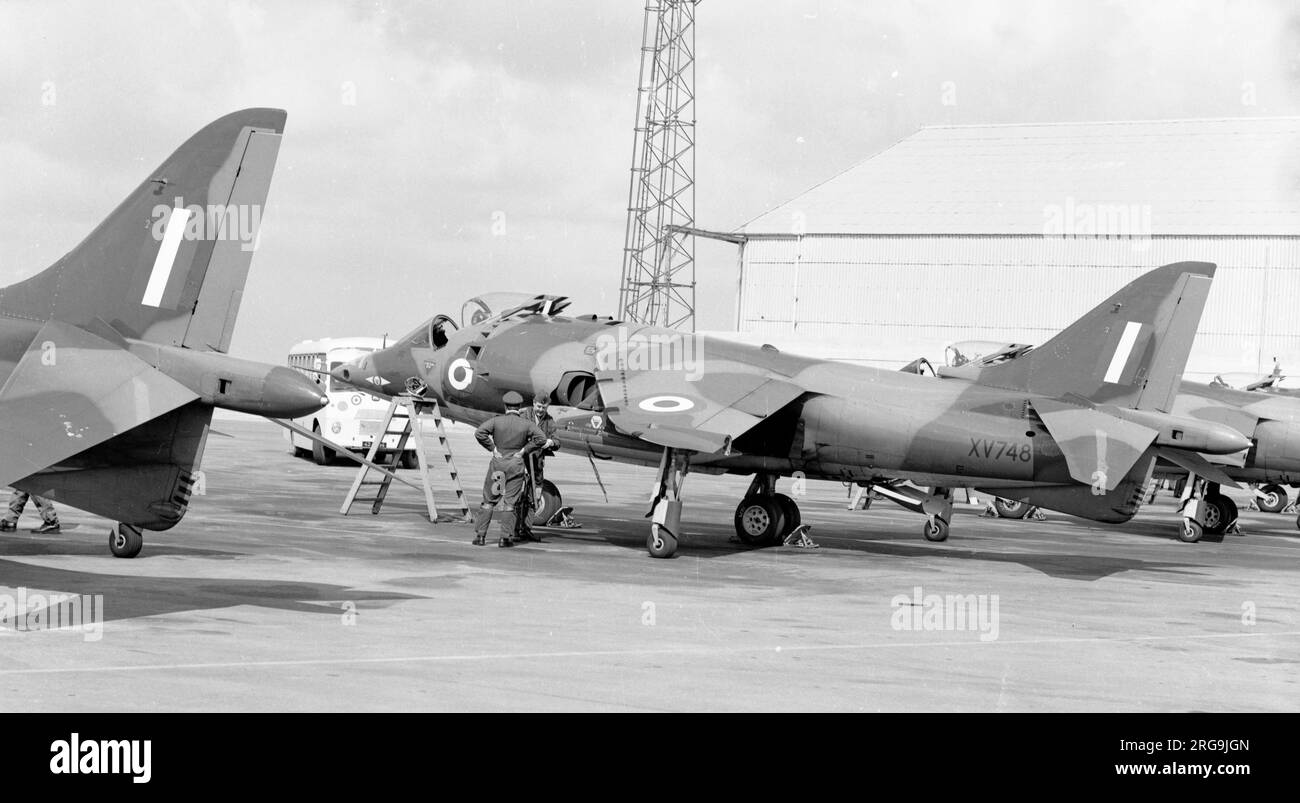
[169, 264]
[1129, 351]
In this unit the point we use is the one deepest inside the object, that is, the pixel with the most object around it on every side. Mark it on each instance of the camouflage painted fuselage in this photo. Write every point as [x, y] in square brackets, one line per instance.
[1271, 421]
[824, 419]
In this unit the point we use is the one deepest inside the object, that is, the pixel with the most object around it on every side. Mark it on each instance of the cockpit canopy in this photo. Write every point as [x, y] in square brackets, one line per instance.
[982, 352]
[490, 306]
[479, 310]
[967, 358]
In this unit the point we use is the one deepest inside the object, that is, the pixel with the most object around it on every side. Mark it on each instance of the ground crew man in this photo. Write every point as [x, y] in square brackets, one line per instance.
[510, 438]
[18, 501]
[539, 416]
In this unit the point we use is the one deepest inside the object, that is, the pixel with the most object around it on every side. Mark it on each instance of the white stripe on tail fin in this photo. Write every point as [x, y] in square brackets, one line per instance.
[1129, 351]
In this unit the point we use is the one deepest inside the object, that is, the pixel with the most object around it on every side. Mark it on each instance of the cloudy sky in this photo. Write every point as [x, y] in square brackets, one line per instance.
[413, 126]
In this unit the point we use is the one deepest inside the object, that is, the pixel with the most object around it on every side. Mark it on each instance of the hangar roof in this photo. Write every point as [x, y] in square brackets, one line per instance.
[1238, 176]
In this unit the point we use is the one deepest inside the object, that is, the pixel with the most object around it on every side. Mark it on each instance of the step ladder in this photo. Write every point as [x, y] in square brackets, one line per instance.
[408, 417]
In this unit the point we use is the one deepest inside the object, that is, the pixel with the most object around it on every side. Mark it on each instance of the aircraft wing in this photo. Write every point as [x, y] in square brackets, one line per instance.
[72, 390]
[669, 409]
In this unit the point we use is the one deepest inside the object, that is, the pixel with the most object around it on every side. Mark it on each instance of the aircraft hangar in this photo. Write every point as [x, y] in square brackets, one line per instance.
[1010, 232]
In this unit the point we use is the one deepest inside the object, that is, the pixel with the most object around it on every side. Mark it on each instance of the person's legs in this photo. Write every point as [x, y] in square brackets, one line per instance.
[46, 508]
[482, 520]
[16, 504]
[492, 486]
[512, 490]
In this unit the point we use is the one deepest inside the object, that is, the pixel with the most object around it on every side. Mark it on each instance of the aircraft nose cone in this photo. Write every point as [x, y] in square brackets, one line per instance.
[289, 394]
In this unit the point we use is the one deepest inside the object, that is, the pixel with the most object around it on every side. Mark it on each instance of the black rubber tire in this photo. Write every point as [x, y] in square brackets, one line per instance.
[125, 541]
[321, 454]
[1275, 499]
[793, 518]
[410, 459]
[760, 521]
[1215, 524]
[1189, 532]
[660, 543]
[1227, 510]
[1010, 508]
[935, 530]
[544, 509]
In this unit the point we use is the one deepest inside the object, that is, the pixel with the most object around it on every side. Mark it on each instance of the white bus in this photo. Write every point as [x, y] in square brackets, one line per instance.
[353, 419]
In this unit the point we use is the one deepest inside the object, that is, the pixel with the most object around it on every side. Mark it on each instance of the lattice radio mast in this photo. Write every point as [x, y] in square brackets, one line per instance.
[658, 256]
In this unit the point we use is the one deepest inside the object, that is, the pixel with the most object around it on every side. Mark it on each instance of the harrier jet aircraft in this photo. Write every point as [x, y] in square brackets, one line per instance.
[113, 359]
[1271, 422]
[1076, 426]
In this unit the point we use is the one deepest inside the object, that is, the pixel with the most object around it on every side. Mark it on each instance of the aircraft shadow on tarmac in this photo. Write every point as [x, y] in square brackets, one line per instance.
[129, 597]
[715, 542]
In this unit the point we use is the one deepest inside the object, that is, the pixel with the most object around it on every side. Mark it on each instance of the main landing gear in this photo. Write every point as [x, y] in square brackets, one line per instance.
[1205, 510]
[765, 517]
[125, 541]
[1271, 498]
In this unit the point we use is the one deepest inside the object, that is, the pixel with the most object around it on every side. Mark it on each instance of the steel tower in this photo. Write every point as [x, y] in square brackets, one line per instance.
[658, 256]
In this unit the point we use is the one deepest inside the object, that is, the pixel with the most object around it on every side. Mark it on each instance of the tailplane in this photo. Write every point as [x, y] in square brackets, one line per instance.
[169, 264]
[1129, 351]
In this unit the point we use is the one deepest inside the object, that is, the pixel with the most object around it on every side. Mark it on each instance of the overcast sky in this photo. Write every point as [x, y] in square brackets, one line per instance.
[414, 125]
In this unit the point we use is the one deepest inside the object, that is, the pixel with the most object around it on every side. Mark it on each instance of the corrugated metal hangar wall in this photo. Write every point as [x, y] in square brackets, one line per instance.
[1009, 233]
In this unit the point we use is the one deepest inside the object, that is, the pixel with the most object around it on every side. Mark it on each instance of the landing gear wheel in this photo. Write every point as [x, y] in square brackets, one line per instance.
[1190, 532]
[546, 503]
[410, 459]
[936, 529]
[760, 521]
[792, 516]
[1010, 508]
[1274, 499]
[1215, 523]
[321, 455]
[661, 543]
[125, 541]
[1225, 510]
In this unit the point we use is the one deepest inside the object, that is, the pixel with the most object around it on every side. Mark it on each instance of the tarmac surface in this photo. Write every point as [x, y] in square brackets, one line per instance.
[265, 598]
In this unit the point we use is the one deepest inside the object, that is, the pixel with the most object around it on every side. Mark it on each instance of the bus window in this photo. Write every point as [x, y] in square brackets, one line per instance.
[353, 420]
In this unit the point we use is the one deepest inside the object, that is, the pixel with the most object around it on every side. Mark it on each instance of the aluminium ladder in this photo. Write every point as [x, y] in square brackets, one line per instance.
[407, 417]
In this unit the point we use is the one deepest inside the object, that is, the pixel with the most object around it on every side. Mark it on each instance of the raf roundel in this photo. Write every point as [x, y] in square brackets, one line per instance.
[460, 373]
[666, 404]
